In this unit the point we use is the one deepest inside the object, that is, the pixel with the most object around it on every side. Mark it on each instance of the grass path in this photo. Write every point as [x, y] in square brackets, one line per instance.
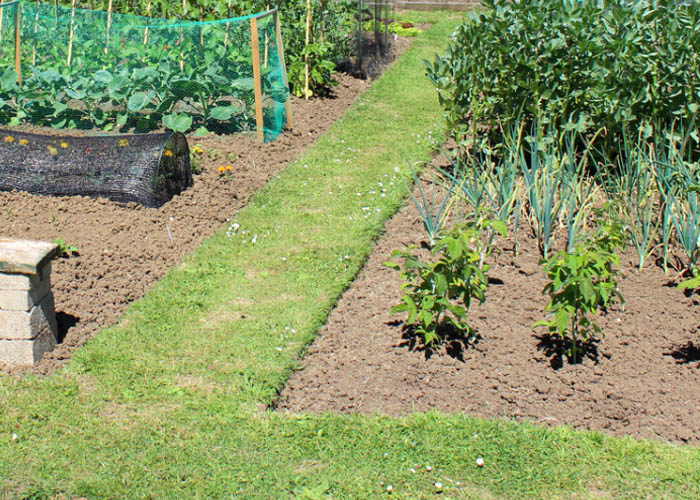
[172, 402]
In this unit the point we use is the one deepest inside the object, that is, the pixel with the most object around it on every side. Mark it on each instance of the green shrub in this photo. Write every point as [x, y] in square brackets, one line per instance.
[581, 283]
[585, 64]
[441, 292]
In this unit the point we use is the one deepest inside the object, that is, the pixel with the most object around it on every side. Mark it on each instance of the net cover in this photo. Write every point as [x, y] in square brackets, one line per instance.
[88, 69]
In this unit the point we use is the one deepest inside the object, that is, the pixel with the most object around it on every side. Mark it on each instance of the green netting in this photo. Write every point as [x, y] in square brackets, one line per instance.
[132, 73]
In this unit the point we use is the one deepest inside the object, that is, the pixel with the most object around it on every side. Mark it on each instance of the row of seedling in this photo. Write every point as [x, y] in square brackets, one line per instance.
[583, 201]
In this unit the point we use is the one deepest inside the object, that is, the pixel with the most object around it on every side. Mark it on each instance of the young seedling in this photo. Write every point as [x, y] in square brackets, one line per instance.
[440, 292]
[582, 283]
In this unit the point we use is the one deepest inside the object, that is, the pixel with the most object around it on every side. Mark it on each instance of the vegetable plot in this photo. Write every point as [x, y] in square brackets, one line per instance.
[87, 69]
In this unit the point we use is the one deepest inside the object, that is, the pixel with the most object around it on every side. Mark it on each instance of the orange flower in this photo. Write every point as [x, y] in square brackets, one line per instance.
[229, 168]
[9, 138]
[23, 142]
[167, 152]
[221, 170]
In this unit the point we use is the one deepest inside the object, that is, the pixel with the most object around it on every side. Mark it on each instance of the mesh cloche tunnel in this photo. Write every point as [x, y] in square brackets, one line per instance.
[145, 168]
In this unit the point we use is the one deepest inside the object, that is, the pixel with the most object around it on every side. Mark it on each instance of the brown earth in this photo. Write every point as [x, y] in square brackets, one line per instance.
[645, 381]
[124, 249]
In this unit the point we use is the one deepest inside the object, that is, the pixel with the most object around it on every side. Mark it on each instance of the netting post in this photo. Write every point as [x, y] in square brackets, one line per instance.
[109, 25]
[18, 65]
[306, 46]
[2, 11]
[145, 30]
[257, 84]
[283, 64]
[70, 33]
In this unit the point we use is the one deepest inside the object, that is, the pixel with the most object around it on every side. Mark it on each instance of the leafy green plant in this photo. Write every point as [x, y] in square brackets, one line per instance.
[403, 29]
[321, 68]
[432, 213]
[610, 65]
[440, 292]
[65, 249]
[581, 283]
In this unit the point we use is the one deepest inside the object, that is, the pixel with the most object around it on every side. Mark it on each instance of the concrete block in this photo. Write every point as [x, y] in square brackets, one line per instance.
[25, 256]
[18, 281]
[23, 325]
[27, 352]
[24, 300]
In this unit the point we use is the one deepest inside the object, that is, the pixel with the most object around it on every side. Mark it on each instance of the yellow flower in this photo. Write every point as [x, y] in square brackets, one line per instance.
[167, 152]
[221, 170]
[9, 138]
[52, 150]
[23, 142]
[229, 168]
[64, 145]
[197, 150]
[123, 142]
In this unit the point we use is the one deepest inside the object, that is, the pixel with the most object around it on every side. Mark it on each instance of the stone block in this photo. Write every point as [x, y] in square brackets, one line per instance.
[25, 256]
[26, 325]
[18, 281]
[24, 300]
[27, 352]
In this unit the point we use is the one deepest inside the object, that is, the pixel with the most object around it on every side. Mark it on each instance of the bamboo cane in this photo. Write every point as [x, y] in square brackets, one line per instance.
[36, 29]
[55, 11]
[228, 14]
[306, 46]
[145, 30]
[109, 25]
[182, 36]
[201, 30]
[2, 14]
[18, 66]
[257, 84]
[70, 33]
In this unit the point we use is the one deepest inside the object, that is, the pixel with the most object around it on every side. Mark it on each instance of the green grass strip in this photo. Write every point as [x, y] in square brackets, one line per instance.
[172, 402]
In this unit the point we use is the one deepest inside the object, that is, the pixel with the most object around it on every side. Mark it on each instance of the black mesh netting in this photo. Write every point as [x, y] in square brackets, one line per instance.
[147, 168]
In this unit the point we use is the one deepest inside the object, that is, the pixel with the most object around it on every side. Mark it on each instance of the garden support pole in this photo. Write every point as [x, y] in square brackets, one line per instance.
[145, 30]
[109, 25]
[306, 49]
[70, 33]
[1, 16]
[283, 64]
[18, 65]
[257, 85]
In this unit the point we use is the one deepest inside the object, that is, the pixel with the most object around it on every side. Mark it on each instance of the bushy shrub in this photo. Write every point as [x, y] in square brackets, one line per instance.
[585, 64]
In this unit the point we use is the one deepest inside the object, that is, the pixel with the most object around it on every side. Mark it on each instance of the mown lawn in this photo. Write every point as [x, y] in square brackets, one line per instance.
[173, 401]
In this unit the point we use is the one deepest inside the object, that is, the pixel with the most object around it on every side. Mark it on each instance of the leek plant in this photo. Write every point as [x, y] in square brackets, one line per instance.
[433, 212]
[543, 183]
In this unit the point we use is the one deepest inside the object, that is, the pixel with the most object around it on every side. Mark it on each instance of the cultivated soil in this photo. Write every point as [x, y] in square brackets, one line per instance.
[124, 249]
[642, 379]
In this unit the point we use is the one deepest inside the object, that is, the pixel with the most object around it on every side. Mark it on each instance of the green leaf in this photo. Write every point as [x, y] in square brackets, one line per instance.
[138, 101]
[224, 113]
[177, 122]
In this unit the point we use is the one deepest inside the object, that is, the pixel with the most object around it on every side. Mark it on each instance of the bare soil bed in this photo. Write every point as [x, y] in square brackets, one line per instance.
[643, 381]
[124, 249]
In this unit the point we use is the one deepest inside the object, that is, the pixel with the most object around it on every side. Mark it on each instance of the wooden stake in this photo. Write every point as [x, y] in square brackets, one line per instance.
[36, 28]
[306, 46]
[148, 14]
[2, 14]
[228, 14]
[283, 64]
[257, 84]
[55, 11]
[201, 29]
[70, 33]
[109, 25]
[18, 65]
[182, 36]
